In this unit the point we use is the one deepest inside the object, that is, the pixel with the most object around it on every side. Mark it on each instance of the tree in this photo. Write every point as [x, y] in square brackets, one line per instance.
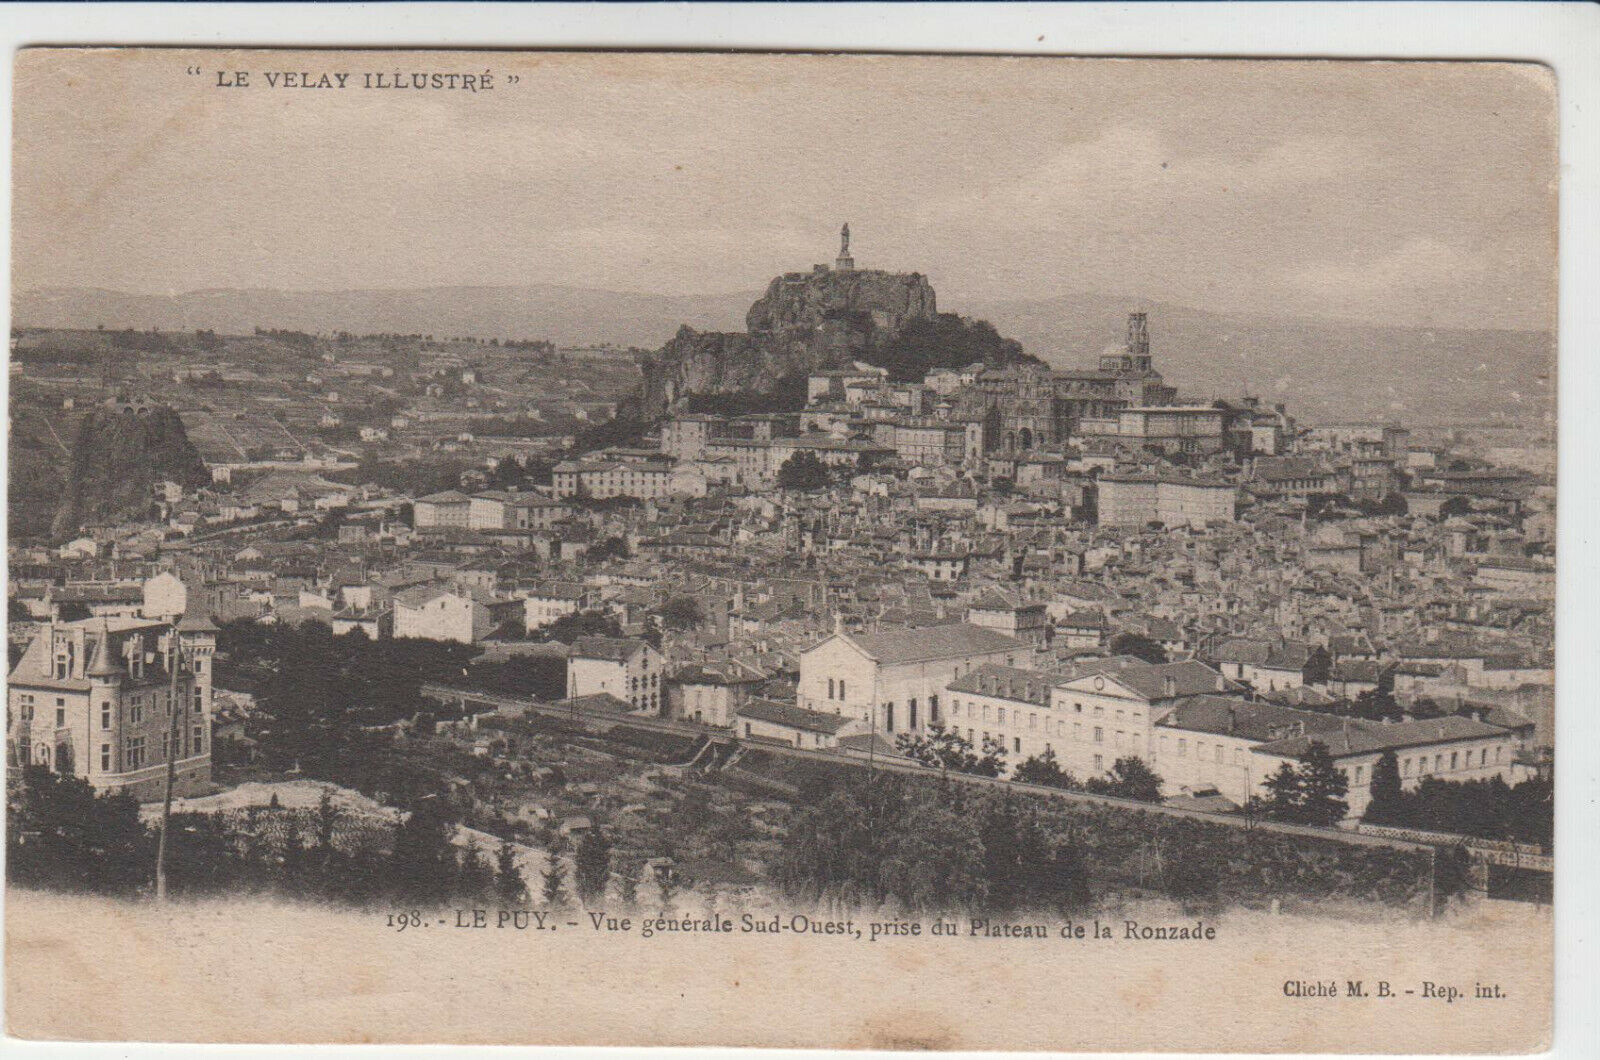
[610, 548]
[327, 820]
[628, 887]
[1044, 769]
[1376, 704]
[1386, 791]
[682, 612]
[1319, 666]
[1130, 778]
[592, 867]
[1322, 787]
[59, 833]
[423, 863]
[475, 877]
[804, 471]
[668, 883]
[945, 340]
[1455, 506]
[554, 888]
[948, 749]
[569, 628]
[1283, 794]
[1393, 504]
[1311, 794]
[1139, 646]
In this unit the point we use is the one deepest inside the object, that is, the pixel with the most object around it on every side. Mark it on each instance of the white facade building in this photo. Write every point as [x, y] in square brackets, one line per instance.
[896, 681]
[624, 667]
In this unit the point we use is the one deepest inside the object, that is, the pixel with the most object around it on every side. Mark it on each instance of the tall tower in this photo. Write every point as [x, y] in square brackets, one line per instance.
[1138, 343]
[105, 711]
[844, 262]
[198, 636]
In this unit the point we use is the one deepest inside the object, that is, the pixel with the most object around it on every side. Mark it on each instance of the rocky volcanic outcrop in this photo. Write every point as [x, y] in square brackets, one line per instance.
[119, 454]
[804, 321]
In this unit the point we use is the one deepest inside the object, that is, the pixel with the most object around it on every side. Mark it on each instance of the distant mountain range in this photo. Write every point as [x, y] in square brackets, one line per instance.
[1322, 369]
[568, 316]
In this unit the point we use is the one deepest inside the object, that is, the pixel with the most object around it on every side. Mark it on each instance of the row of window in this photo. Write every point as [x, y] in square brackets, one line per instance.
[135, 749]
[26, 704]
[1455, 761]
[1218, 750]
[980, 744]
[911, 713]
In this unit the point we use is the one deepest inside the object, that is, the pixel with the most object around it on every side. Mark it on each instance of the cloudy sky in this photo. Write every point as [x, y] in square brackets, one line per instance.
[1411, 193]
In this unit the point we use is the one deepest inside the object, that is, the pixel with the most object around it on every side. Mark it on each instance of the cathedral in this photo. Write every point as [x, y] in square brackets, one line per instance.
[1027, 407]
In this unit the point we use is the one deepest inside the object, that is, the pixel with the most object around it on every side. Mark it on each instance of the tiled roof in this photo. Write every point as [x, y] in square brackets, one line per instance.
[1150, 680]
[1357, 736]
[1249, 721]
[615, 649]
[793, 717]
[1282, 655]
[1354, 670]
[926, 643]
[1006, 682]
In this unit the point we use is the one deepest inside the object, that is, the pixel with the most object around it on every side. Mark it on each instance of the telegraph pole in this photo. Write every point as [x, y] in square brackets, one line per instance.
[173, 731]
[872, 737]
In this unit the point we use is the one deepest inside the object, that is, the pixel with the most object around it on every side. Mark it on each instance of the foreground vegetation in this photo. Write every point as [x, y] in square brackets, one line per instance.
[933, 845]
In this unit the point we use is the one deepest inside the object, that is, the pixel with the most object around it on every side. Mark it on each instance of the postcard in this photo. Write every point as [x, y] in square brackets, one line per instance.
[781, 549]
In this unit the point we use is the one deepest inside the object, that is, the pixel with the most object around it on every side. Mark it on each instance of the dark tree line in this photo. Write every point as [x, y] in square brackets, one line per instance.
[934, 845]
[61, 836]
[1130, 777]
[1487, 809]
[931, 849]
[946, 340]
[804, 471]
[1313, 792]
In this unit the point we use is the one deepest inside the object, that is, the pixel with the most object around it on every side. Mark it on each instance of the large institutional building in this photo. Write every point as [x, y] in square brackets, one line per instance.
[1199, 730]
[93, 698]
[1029, 406]
[1169, 499]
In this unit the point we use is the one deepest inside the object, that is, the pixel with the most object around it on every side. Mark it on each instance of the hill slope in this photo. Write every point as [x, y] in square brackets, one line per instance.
[97, 468]
[1323, 369]
[567, 316]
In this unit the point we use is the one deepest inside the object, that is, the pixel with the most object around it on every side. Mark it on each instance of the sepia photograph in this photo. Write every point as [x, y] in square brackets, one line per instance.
[793, 550]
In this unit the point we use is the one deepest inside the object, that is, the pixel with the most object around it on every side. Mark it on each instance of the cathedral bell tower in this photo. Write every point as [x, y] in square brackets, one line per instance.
[844, 262]
[1138, 342]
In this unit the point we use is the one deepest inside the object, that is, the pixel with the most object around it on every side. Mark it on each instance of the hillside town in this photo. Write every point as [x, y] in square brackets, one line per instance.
[878, 554]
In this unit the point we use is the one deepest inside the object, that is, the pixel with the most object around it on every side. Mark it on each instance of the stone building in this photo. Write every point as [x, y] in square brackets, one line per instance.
[1025, 407]
[94, 699]
[893, 680]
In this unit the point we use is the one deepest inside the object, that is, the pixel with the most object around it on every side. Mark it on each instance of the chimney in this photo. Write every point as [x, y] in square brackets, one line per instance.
[1169, 686]
[1233, 720]
[1222, 683]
